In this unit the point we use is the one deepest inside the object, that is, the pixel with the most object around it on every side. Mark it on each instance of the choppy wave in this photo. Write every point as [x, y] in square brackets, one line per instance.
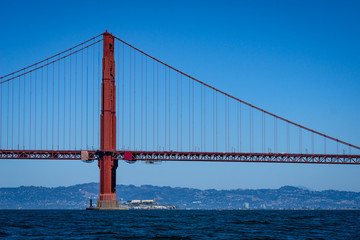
[179, 224]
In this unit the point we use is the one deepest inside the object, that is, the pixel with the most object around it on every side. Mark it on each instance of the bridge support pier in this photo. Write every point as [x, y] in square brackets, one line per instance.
[107, 197]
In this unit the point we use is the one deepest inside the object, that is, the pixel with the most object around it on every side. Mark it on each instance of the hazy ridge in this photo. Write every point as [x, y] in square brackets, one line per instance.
[77, 197]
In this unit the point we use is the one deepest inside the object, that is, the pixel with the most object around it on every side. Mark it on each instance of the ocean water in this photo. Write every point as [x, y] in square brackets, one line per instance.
[179, 224]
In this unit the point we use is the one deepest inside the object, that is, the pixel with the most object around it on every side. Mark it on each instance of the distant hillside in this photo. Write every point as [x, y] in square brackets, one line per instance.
[77, 197]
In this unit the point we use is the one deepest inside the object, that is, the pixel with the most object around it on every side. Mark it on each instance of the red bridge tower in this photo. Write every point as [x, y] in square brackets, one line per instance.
[107, 163]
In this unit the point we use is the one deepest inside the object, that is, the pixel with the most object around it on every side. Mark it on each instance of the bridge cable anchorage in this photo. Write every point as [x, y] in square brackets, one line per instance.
[236, 99]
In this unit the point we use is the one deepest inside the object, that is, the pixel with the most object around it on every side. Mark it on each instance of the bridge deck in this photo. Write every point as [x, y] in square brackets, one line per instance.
[154, 156]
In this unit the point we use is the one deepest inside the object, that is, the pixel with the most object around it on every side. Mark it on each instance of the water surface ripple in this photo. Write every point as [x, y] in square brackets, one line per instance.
[179, 224]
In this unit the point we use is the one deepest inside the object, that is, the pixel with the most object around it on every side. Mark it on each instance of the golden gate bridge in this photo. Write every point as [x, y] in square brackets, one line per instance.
[107, 100]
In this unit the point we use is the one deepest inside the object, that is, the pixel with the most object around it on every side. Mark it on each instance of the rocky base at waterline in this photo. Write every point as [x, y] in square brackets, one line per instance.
[78, 196]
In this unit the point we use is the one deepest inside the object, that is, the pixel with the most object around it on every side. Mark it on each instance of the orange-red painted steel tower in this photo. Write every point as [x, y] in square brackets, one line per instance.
[106, 163]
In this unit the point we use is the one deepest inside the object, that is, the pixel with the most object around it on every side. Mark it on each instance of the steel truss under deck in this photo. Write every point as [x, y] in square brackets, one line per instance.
[155, 156]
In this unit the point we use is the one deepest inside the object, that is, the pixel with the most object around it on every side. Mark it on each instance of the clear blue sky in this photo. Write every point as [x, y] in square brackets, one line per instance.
[300, 60]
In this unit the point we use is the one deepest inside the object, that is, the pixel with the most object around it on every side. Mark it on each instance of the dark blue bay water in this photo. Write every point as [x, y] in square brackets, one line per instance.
[181, 224]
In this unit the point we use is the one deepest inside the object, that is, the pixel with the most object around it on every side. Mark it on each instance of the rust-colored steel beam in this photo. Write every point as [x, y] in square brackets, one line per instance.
[156, 156]
[237, 157]
[184, 156]
[43, 154]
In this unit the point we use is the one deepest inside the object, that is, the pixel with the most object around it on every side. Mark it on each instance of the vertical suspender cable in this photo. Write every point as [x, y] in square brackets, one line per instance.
[157, 108]
[213, 122]
[227, 124]
[226, 132]
[277, 138]
[189, 115]
[47, 106]
[193, 118]
[216, 120]
[228, 118]
[64, 103]
[165, 104]
[53, 106]
[8, 116]
[250, 127]
[300, 141]
[93, 97]
[153, 105]
[142, 102]
[1, 115]
[204, 119]
[275, 135]
[123, 97]
[70, 105]
[30, 111]
[288, 137]
[18, 117]
[237, 125]
[228, 106]
[35, 113]
[58, 109]
[264, 131]
[146, 100]
[169, 111]
[181, 123]
[130, 101]
[201, 117]
[75, 127]
[240, 127]
[252, 130]
[134, 99]
[87, 98]
[82, 97]
[12, 115]
[24, 115]
[41, 108]
[177, 111]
